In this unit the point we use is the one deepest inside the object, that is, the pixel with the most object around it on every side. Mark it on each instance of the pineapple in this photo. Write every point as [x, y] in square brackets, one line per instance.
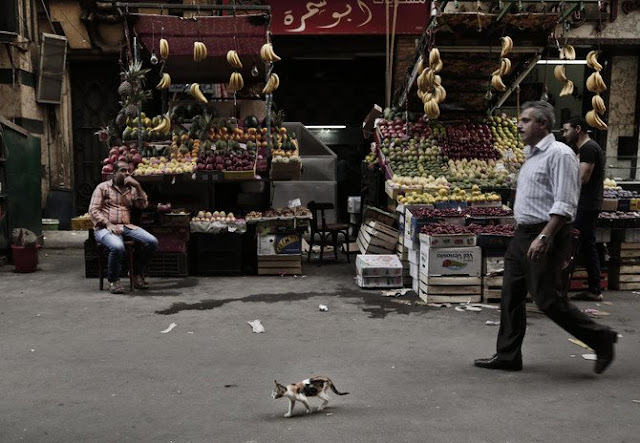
[132, 79]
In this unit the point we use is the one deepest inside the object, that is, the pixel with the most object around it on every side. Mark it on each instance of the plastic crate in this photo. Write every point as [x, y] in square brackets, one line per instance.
[168, 264]
[222, 242]
[171, 243]
[91, 261]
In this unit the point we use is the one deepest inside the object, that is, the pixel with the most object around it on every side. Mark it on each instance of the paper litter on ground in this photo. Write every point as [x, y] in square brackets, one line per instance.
[595, 313]
[257, 326]
[636, 401]
[439, 305]
[580, 343]
[460, 309]
[395, 292]
[492, 323]
[590, 357]
[483, 305]
[473, 308]
[323, 308]
[171, 326]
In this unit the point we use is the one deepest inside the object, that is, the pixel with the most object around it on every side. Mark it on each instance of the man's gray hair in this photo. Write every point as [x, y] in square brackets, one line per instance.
[543, 112]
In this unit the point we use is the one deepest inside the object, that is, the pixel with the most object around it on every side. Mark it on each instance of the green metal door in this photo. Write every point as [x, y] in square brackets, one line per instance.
[23, 182]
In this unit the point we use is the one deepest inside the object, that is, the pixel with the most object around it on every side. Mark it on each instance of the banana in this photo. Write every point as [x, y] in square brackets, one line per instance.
[267, 54]
[505, 67]
[594, 120]
[164, 48]
[567, 89]
[568, 52]
[438, 66]
[161, 126]
[199, 51]
[437, 80]
[420, 66]
[434, 57]
[497, 83]
[234, 59]
[507, 45]
[559, 72]
[592, 61]
[272, 84]
[197, 93]
[432, 109]
[236, 82]
[595, 83]
[439, 94]
[598, 104]
[165, 81]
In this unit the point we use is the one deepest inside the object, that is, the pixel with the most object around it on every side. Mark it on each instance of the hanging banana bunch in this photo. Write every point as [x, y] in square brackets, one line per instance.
[267, 54]
[199, 51]
[165, 81]
[272, 84]
[164, 49]
[505, 65]
[197, 93]
[236, 82]
[595, 84]
[560, 71]
[430, 89]
[234, 59]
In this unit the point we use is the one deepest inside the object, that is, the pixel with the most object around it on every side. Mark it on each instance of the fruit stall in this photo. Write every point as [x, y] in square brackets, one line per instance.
[208, 160]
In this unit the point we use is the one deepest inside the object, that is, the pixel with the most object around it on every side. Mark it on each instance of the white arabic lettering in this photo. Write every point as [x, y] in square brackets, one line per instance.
[379, 2]
[362, 5]
[312, 9]
[288, 17]
[338, 17]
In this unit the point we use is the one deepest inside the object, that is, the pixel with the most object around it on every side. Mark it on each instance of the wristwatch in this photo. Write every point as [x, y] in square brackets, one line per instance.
[544, 238]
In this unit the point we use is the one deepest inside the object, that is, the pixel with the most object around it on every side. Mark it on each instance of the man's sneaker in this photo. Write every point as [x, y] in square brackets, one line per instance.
[587, 296]
[115, 287]
[139, 282]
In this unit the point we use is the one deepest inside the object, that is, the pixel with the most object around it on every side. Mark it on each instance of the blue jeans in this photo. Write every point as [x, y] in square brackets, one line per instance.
[148, 245]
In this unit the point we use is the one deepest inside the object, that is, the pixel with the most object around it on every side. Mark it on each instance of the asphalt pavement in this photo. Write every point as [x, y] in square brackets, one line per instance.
[81, 365]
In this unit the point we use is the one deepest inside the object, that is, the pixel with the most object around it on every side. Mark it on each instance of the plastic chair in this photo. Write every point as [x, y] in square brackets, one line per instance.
[129, 245]
[325, 231]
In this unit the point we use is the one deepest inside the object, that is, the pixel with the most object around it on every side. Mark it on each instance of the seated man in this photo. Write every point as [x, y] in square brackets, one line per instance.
[110, 211]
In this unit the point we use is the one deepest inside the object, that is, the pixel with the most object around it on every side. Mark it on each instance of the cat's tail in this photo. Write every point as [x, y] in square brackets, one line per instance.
[333, 388]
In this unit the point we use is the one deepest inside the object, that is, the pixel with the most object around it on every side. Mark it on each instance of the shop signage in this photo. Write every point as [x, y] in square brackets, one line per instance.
[295, 17]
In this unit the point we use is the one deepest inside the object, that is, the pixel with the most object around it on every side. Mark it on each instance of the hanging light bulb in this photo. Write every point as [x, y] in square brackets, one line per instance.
[154, 58]
[254, 71]
[545, 94]
[489, 95]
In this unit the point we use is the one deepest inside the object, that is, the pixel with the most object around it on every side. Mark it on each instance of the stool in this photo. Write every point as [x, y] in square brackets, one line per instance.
[128, 250]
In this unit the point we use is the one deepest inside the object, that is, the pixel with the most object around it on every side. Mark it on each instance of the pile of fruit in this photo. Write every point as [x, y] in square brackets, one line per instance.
[505, 230]
[620, 193]
[151, 129]
[215, 216]
[445, 229]
[163, 165]
[124, 153]
[463, 153]
[285, 147]
[475, 196]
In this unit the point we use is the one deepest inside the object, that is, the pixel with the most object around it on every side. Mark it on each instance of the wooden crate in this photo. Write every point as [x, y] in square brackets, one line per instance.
[491, 288]
[280, 265]
[450, 289]
[81, 224]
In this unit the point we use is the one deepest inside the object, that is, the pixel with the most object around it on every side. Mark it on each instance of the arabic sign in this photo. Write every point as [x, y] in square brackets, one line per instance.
[291, 17]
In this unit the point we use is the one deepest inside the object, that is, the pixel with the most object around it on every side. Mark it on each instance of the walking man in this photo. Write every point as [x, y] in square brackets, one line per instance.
[592, 161]
[110, 211]
[546, 203]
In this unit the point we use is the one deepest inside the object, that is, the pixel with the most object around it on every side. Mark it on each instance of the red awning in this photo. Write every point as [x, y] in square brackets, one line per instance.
[244, 33]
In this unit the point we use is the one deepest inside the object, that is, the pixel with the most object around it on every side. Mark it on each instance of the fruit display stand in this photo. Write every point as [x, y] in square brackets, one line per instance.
[279, 239]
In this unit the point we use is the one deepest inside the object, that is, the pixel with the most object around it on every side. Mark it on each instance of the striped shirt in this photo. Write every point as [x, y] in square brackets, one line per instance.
[549, 183]
[108, 204]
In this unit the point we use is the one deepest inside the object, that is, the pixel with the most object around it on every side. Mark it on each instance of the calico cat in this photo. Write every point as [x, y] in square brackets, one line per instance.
[312, 387]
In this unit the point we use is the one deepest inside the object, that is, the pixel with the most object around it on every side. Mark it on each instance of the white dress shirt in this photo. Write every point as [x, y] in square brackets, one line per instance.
[548, 183]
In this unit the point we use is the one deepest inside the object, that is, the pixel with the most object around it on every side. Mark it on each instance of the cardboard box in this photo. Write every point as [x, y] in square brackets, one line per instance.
[353, 204]
[492, 265]
[370, 265]
[448, 241]
[279, 244]
[379, 282]
[374, 214]
[451, 261]
[609, 204]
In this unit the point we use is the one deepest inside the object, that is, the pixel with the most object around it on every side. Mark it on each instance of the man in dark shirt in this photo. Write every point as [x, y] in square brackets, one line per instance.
[592, 160]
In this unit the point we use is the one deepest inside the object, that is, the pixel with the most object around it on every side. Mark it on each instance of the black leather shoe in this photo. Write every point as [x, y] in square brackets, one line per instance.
[495, 363]
[605, 353]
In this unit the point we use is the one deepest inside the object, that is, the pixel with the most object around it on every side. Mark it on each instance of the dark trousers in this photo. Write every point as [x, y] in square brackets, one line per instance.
[586, 224]
[544, 281]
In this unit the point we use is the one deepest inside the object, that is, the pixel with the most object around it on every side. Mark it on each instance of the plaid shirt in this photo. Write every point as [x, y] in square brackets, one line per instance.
[109, 205]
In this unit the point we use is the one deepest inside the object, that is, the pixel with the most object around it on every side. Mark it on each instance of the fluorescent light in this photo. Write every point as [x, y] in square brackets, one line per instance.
[325, 126]
[562, 62]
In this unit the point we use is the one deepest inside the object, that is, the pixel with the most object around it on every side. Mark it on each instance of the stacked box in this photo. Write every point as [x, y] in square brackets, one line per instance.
[450, 274]
[629, 277]
[285, 264]
[378, 271]
[579, 280]
[492, 270]
[376, 237]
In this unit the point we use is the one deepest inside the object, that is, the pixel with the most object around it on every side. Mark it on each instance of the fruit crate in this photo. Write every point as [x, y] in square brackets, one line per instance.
[241, 175]
[170, 243]
[168, 264]
[285, 171]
